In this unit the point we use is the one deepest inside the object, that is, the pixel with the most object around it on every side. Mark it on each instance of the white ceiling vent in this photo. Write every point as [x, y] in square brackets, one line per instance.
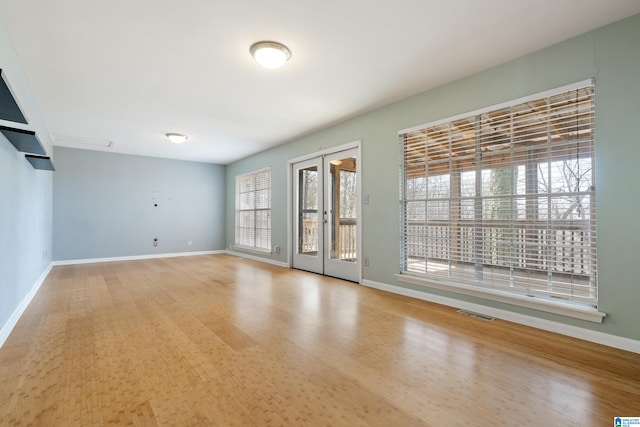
[82, 142]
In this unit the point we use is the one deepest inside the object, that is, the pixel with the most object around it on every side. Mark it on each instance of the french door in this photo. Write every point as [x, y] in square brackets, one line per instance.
[326, 215]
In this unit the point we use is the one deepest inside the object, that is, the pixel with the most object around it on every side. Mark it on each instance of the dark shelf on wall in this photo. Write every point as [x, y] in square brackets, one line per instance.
[24, 140]
[9, 109]
[40, 162]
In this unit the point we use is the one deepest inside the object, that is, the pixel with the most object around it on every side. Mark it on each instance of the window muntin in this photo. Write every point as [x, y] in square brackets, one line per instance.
[253, 210]
[504, 199]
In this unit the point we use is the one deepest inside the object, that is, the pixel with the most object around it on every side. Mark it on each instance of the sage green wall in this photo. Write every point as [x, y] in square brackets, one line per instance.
[610, 54]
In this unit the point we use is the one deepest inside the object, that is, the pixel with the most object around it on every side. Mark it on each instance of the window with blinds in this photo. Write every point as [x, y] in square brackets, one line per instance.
[253, 210]
[504, 198]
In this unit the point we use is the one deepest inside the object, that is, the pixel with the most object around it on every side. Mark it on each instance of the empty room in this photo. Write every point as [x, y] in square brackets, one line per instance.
[409, 213]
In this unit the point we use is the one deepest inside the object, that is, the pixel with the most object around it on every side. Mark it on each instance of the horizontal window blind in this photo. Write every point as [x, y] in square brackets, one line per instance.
[253, 210]
[504, 198]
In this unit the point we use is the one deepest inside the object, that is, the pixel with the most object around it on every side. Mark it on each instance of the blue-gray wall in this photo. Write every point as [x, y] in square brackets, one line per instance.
[610, 54]
[104, 205]
[25, 199]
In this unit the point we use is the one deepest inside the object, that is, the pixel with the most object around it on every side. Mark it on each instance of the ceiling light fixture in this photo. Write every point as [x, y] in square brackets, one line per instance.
[270, 54]
[176, 138]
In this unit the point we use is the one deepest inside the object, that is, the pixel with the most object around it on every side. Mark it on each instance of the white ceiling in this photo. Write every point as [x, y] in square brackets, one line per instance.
[129, 71]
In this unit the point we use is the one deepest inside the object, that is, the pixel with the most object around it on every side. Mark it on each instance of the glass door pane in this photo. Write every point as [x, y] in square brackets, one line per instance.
[308, 219]
[308, 211]
[343, 209]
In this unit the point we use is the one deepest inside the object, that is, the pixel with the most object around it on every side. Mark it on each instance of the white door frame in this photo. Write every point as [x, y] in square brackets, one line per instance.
[290, 199]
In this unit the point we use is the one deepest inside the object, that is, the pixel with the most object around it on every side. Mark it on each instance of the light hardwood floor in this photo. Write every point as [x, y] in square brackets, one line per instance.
[219, 340]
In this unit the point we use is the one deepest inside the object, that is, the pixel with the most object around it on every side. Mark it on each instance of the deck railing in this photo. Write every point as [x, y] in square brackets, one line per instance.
[309, 238]
[559, 246]
[345, 239]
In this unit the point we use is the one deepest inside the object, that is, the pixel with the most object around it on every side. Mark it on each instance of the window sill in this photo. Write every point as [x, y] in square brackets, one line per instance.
[251, 250]
[561, 308]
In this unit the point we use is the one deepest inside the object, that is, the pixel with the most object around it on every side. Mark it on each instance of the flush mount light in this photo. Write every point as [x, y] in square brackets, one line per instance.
[176, 138]
[270, 54]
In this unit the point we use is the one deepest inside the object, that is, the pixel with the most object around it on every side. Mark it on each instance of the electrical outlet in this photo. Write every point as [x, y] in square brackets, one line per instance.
[155, 242]
[366, 261]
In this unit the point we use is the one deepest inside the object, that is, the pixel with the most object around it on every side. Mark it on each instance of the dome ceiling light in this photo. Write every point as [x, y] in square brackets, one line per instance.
[176, 138]
[270, 54]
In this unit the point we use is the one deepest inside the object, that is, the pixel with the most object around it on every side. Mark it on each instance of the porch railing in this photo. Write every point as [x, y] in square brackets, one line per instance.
[345, 239]
[559, 246]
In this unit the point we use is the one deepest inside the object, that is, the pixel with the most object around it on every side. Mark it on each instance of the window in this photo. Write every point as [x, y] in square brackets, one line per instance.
[253, 210]
[503, 199]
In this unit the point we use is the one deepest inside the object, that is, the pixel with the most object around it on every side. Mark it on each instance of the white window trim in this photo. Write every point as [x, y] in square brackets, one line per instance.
[569, 310]
[573, 310]
[505, 104]
[251, 249]
[245, 248]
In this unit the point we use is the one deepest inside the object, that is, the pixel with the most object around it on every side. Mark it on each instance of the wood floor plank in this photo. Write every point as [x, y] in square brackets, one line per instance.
[223, 341]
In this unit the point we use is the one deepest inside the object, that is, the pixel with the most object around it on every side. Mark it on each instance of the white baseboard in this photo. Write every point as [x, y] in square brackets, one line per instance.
[135, 257]
[17, 313]
[258, 258]
[523, 319]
